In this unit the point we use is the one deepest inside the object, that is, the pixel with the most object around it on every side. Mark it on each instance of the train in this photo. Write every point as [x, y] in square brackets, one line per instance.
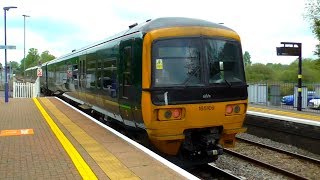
[180, 81]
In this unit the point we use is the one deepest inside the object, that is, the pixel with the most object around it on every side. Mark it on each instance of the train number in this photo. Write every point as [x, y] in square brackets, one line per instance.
[206, 108]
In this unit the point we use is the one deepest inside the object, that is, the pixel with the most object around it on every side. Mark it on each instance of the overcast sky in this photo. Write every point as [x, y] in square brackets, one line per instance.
[63, 25]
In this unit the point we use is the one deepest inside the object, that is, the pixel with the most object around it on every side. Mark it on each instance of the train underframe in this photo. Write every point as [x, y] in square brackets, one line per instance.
[202, 144]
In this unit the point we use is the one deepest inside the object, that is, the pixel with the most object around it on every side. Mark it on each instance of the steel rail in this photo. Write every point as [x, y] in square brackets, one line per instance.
[307, 158]
[225, 174]
[263, 164]
[213, 171]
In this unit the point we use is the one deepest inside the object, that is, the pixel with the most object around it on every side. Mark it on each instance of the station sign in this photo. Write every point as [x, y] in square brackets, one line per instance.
[39, 72]
[288, 51]
[7, 47]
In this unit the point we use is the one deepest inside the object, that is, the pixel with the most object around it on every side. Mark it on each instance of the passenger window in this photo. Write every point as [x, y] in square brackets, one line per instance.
[127, 77]
[99, 74]
[127, 66]
[109, 77]
[90, 76]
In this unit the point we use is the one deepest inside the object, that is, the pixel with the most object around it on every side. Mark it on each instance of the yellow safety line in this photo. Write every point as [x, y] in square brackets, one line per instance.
[83, 168]
[285, 113]
[113, 168]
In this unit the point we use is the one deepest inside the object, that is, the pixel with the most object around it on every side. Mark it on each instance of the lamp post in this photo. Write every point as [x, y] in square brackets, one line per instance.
[24, 45]
[6, 94]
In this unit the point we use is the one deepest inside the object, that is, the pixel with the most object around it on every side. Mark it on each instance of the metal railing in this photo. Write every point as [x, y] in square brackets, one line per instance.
[282, 95]
[25, 90]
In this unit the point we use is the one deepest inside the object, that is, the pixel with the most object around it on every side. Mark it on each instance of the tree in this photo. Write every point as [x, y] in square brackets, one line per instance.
[31, 59]
[309, 72]
[259, 72]
[14, 66]
[313, 15]
[247, 58]
[46, 56]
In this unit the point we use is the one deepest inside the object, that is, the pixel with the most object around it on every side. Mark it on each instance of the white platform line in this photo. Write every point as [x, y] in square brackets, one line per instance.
[284, 118]
[139, 146]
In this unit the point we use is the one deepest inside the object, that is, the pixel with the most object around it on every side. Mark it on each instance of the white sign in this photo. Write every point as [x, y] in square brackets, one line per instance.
[7, 47]
[39, 72]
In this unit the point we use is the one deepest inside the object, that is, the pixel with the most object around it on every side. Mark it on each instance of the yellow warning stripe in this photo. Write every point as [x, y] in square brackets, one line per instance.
[285, 113]
[83, 168]
[113, 168]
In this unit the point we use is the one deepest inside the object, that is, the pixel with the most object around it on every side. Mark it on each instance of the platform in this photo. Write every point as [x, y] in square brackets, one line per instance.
[297, 128]
[44, 138]
[304, 117]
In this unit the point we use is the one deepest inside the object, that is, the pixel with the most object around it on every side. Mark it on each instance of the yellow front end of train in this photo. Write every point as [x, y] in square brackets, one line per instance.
[167, 134]
[170, 124]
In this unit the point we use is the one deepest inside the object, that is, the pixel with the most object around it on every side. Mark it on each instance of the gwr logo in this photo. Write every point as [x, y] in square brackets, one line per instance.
[206, 96]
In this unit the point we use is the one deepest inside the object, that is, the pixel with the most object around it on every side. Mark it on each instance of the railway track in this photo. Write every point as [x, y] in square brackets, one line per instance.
[269, 165]
[264, 164]
[210, 171]
[300, 156]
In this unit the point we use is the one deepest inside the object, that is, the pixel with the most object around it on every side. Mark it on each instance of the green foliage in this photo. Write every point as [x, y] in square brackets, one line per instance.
[46, 56]
[313, 15]
[247, 58]
[259, 72]
[316, 31]
[14, 64]
[33, 59]
[284, 73]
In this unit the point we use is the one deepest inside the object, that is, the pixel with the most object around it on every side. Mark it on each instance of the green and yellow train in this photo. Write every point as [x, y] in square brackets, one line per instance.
[179, 80]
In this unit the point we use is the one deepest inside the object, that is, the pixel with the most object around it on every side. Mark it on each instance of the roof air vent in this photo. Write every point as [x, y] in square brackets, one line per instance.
[133, 25]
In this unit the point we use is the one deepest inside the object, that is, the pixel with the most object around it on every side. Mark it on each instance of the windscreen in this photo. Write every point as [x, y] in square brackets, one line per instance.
[196, 62]
[176, 61]
[224, 61]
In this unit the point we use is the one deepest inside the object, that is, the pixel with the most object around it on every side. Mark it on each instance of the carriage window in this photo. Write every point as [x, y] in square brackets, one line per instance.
[127, 76]
[99, 74]
[108, 79]
[127, 66]
[91, 75]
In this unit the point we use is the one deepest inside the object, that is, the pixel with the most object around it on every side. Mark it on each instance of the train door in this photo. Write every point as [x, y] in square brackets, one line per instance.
[82, 77]
[126, 98]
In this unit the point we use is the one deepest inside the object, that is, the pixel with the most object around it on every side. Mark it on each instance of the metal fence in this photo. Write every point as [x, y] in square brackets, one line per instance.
[1, 85]
[283, 95]
[2, 80]
[24, 90]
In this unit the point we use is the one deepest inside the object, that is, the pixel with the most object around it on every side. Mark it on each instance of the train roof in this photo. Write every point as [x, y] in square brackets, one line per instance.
[167, 22]
[158, 23]
[147, 26]
[31, 68]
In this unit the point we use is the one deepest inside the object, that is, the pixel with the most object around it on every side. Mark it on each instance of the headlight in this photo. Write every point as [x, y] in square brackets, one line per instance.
[170, 114]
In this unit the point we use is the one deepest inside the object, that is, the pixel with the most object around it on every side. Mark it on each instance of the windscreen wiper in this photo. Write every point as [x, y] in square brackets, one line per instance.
[185, 83]
[227, 82]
